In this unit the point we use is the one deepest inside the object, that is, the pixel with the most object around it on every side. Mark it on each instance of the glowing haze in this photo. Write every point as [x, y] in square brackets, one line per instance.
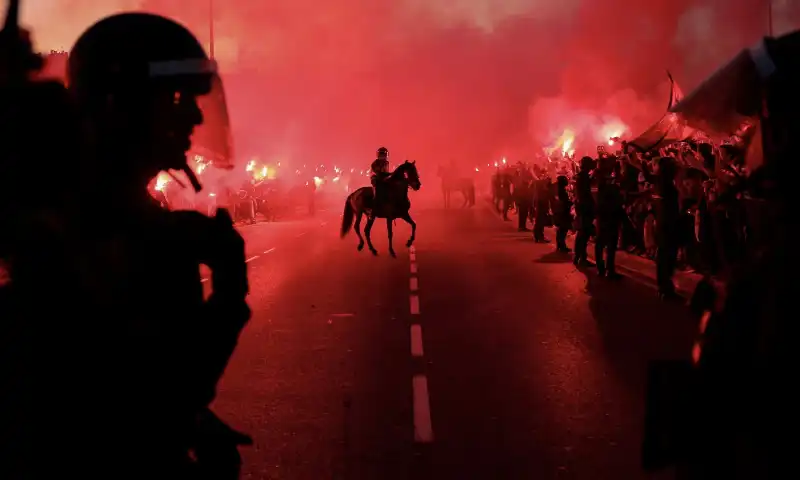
[471, 80]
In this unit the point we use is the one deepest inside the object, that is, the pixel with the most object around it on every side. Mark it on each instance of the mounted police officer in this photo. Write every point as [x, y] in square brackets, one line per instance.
[380, 172]
[147, 350]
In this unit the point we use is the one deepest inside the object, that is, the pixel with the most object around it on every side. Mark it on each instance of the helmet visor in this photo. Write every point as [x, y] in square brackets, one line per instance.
[211, 136]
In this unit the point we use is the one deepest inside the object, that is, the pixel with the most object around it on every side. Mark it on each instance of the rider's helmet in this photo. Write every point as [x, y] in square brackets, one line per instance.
[145, 81]
[381, 164]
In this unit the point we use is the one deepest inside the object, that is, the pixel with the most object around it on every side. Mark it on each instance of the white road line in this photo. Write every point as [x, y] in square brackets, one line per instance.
[270, 250]
[252, 258]
[416, 341]
[414, 284]
[414, 305]
[298, 236]
[423, 430]
[412, 249]
[413, 268]
[204, 280]
[413, 257]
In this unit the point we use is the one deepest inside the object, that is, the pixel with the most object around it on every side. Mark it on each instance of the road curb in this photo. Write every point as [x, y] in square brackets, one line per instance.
[630, 272]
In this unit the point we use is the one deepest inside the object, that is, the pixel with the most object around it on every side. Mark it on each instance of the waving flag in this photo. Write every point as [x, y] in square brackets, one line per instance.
[675, 92]
[669, 129]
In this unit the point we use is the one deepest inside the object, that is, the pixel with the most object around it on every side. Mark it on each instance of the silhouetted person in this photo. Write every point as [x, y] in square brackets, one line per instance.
[541, 200]
[380, 172]
[523, 197]
[506, 198]
[147, 350]
[38, 215]
[610, 214]
[563, 214]
[667, 224]
[585, 210]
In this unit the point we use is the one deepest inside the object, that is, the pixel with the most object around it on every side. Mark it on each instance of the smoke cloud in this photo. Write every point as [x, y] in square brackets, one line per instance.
[435, 80]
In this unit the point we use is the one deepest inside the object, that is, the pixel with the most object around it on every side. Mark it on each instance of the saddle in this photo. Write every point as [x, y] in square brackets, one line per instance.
[382, 202]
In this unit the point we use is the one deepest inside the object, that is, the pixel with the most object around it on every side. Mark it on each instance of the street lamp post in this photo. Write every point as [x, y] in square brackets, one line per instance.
[211, 27]
[769, 7]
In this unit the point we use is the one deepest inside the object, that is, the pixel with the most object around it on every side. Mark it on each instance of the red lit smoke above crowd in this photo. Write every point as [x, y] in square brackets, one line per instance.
[439, 79]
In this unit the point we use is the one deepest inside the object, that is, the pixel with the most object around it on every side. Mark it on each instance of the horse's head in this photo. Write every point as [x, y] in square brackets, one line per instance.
[410, 174]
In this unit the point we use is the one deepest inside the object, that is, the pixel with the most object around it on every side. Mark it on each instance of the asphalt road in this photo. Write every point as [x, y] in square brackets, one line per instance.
[479, 355]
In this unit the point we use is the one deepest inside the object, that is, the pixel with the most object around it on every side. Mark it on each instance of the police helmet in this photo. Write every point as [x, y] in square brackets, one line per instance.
[138, 61]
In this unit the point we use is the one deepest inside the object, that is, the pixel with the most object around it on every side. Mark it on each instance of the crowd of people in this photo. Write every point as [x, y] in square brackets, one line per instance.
[684, 206]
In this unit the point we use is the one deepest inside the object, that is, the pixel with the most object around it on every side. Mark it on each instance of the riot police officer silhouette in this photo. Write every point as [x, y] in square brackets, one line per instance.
[38, 179]
[148, 349]
[585, 209]
[380, 172]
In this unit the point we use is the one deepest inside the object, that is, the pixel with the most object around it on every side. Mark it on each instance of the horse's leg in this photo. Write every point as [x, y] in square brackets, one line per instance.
[367, 231]
[407, 217]
[358, 230]
[390, 234]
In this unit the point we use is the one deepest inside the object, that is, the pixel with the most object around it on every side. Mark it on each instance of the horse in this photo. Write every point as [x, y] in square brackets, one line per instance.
[466, 186]
[447, 184]
[451, 182]
[361, 202]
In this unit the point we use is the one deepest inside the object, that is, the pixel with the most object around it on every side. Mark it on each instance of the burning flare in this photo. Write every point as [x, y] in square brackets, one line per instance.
[612, 131]
[161, 181]
[565, 144]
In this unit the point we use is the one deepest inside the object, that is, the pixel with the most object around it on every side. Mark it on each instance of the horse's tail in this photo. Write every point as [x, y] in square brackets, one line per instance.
[348, 216]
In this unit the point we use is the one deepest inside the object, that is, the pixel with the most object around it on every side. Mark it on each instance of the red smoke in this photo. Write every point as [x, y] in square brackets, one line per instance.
[331, 81]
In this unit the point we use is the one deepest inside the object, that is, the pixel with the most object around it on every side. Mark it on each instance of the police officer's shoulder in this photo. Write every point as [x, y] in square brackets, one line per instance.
[197, 222]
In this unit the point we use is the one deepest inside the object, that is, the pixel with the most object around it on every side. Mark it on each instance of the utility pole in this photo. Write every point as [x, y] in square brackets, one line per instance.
[769, 7]
[211, 27]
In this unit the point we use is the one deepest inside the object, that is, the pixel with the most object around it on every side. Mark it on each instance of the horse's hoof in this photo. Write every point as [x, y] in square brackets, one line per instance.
[409, 243]
[360, 247]
[374, 252]
[391, 252]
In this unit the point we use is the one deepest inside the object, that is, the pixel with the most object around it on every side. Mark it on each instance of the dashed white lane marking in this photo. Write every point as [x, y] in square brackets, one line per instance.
[416, 341]
[423, 429]
[270, 250]
[414, 305]
[254, 257]
[300, 235]
[204, 280]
